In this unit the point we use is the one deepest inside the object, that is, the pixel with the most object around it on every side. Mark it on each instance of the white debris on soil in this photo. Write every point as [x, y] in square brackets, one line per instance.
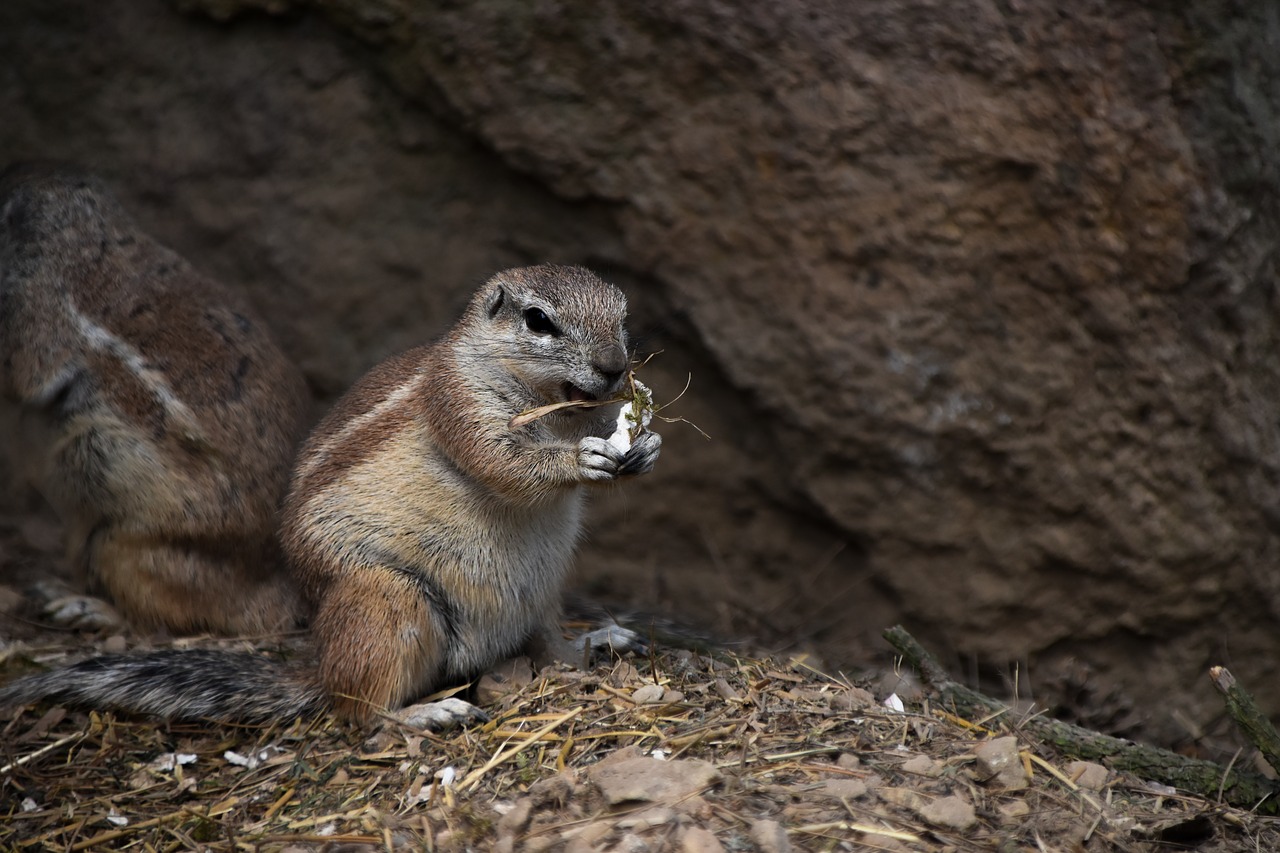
[165, 762]
[254, 759]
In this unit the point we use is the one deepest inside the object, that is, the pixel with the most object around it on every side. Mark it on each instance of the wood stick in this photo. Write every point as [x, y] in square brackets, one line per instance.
[1197, 776]
[1247, 715]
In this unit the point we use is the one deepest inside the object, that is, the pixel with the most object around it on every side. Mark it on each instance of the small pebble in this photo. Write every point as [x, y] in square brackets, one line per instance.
[649, 694]
[1090, 776]
[1000, 761]
[954, 812]
[770, 836]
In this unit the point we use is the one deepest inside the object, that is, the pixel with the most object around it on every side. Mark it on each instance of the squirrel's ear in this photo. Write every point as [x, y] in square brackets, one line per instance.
[494, 303]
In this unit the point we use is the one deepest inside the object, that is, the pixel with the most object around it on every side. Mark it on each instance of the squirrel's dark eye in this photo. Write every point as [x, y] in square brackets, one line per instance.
[539, 323]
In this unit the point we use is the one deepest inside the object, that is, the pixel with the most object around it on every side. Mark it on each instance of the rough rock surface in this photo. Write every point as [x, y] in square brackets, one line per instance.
[978, 298]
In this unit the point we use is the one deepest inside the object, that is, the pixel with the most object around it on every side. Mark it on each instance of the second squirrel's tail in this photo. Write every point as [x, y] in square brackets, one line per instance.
[185, 684]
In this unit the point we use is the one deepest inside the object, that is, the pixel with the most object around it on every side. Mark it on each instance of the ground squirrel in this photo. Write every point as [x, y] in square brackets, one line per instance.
[148, 404]
[429, 536]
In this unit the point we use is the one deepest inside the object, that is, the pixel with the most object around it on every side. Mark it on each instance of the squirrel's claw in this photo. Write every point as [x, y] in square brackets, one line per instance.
[642, 455]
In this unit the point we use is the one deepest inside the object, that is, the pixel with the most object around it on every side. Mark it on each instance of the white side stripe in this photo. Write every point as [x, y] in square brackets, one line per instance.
[154, 381]
[393, 400]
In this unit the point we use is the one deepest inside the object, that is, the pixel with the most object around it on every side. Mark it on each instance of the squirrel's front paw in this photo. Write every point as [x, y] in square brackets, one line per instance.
[641, 456]
[598, 460]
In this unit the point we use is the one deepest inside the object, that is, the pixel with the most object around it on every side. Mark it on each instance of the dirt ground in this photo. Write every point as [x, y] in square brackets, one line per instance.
[681, 751]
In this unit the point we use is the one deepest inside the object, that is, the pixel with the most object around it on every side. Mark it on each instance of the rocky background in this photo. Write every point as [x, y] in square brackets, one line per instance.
[978, 299]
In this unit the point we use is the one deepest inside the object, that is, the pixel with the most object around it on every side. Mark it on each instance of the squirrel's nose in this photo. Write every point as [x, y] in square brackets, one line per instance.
[613, 377]
[611, 365]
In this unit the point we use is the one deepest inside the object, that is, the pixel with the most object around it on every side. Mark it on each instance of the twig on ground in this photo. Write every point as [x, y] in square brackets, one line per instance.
[1247, 715]
[1204, 778]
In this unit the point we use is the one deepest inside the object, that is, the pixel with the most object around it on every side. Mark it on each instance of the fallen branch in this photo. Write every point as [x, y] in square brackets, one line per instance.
[1194, 775]
[1246, 714]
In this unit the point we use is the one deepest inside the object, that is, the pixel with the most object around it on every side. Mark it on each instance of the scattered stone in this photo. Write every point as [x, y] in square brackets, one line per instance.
[922, 765]
[649, 694]
[651, 780]
[853, 699]
[1088, 775]
[770, 837]
[844, 788]
[697, 807]
[504, 679]
[554, 791]
[999, 760]
[623, 674]
[632, 844]
[1014, 810]
[516, 820]
[848, 761]
[814, 697]
[726, 691]
[620, 755]
[953, 812]
[695, 839]
[904, 797]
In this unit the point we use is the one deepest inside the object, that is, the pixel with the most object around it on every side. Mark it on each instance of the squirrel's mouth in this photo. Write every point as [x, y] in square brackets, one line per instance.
[574, 394]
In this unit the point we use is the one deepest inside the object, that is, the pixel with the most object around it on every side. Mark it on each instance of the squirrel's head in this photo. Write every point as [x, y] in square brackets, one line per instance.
[558, 330]
[53, 206]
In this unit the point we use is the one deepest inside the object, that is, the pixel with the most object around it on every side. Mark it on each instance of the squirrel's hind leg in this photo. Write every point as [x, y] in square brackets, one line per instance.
[185, 589]
[380, 642]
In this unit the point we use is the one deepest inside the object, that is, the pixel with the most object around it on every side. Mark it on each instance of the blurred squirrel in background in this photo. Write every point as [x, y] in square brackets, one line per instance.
[150, 407]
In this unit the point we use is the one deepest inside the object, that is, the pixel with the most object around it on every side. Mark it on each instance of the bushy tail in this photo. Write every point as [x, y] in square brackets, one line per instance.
[186, 684]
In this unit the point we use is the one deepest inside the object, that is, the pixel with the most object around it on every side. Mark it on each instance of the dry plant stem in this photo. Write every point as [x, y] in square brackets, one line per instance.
[1246, 714]
[528, 416]
[1197, 776]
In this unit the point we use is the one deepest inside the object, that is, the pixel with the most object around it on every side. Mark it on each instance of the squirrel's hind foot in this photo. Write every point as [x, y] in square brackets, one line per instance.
[612, 639]
[69, 609]
[439, 716]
